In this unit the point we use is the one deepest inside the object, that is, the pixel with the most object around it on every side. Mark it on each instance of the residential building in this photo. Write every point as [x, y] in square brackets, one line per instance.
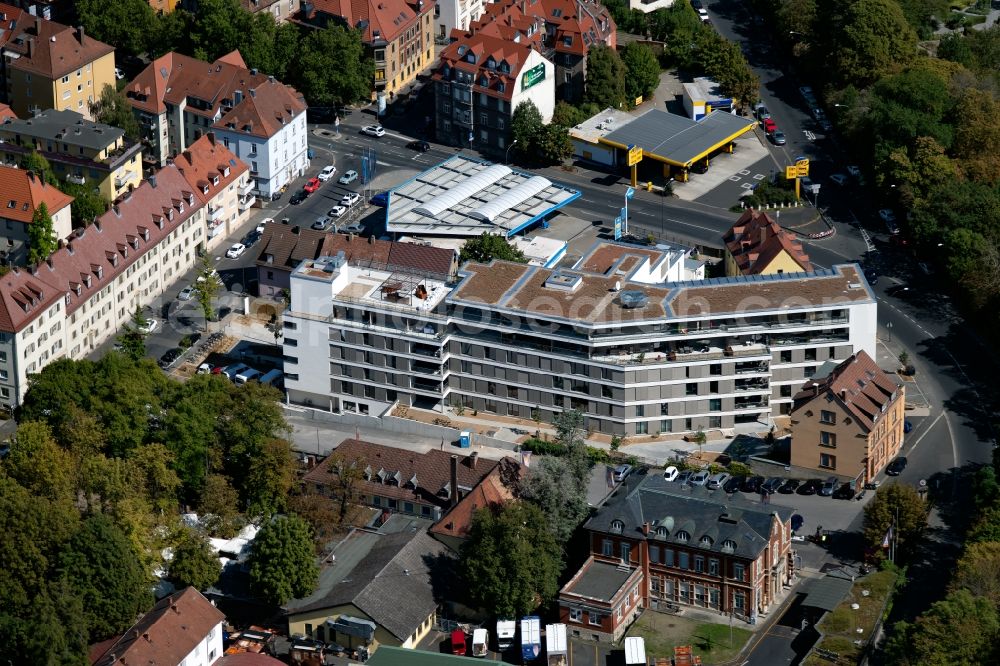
[402, 481]
[757, 245]
[452, 15]
[281, 10]
[283, 247]
[183, 629]
[657, 544]
[479, 82]
[163, 6]
[47, 65]
[50, 10]
[499, 486]
[379, 586]
[637, 350]
[647, 6]
[6, 113]
[848, 420]
[21, 193]
[80, 151]
[88, 289]
[397, 33]
[178, 99]
[221, 181]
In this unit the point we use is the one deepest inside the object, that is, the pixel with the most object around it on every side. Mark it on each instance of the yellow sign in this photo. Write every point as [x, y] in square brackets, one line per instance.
[802, 167]
[638, 100]
[791, 172]
[634, 155]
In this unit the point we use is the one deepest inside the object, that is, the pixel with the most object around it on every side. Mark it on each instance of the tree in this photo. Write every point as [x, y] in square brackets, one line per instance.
[605, 81]
[55, 634]
[553, 144]
[39, 464]
[219, 506]
[487, 247]
[346, 480]
[551, 486]
[959, 629]
[271, 475]
[510, 560]
[127, 24]
[569, 433]
[978, 571]
[133, 336]
[194, 563]
[332, 68]
[282, 563]
[567, 115]
[104, 572]
[317, 510]
[40, 166]
[642, 70]
[153, 465]
[41, 236]
[206, 287]
[525, 126]
[899, 506]
[87, 204]
[870, 39]
[112, 108]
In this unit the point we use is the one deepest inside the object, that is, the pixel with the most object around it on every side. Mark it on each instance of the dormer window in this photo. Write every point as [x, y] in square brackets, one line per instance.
[504, 67]
[491, 63]
[99, 271]
[662, 532]
[215, 181]
[144, 232]
[87, 281]
[706, 541]
[204, 189]
[462, 49]
[728, 546]
[617, 526]
[501, 87]
[683, 536]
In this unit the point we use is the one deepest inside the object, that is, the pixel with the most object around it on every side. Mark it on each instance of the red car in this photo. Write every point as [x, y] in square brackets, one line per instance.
[770, 125]
[312, 185]
[458, 638]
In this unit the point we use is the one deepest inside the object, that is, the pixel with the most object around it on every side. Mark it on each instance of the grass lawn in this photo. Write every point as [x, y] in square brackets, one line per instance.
[840, 627]
[710, 641]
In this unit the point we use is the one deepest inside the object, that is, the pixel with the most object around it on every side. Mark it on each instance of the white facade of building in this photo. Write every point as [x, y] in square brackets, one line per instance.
[543, 93]
[274, 161]
[451, 14]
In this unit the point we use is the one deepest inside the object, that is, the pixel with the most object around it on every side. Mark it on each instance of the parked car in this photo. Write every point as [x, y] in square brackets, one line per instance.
[855, 173]
[350, 199]
[298, 197]
[761, 112]
[312, 185]
[789, 487]
[684, 477]
[320, 223]
[752, 484]
[733, 484]
[204, 369]
[327, 173]
[186, 294]
[119, 74]
[671, 473]
[871, 276]
[889, 218]
[170, 356]
[622, 472]
[699, 478]
[149, 326]
[896, 467]
[381, 199]
[777, 138]
[336, 211]
[717, 481]
[772, 484]
[251, 238]
[232, 370]
[263, 223]
[348, 177]
[421, 146]
[373, 130]
[845, 491]
[236, 251]
[355, 228]
[213, 275]
[828, 486]
[770, 125]
[703, 15]
[810, 487]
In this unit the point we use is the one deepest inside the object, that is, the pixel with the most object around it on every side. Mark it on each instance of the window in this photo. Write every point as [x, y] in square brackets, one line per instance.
[691, 389]
[714, 421]
[811, 354]
[713, 387]
[739, 600]
[642, 428]
[827, 417]
[786, 357]
[640, 410]
[738, 570]
[699, 564]
[828, 439]
[666, 425]
[575, 615]
[715, 369]
[713, 567]
[728, 546]
[654, 554]
[626, 551]
[664, 409]
[682, 536]
[827, 461]
[607, 548]
[715, 405]
[785, 391]
[668, 557]
[595, 618]
[617, 526]
[683, 560]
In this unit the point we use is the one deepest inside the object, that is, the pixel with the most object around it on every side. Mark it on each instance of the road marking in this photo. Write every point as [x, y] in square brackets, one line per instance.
[927, 430]
[734, 178]
[759, 176]
[744, 172]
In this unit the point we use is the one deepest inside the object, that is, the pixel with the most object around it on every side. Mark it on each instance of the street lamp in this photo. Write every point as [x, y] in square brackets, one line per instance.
[888, 328]
[506, 158]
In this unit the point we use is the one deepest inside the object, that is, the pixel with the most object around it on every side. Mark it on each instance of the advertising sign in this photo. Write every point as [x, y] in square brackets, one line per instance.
[534, 75]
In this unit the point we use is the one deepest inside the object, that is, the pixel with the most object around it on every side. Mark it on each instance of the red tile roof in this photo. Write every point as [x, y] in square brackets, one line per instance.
[755, 240]
[385, 18]
[6, 113]
[857, 384]
[94, 256]
[485, 46]
[51, 49]
[22, 191]
[167, 633]
[209, 167]
[585, 23]
[498, 487]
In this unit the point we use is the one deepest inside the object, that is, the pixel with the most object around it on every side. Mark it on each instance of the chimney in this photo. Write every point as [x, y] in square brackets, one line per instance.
[187, 155]
[60, 243]
[371, 240]
[295, 230]
[38, 25]
[146, 636]
[31, 176]
[473, 459]
[843, 394]
[454, 480]
[31, 46]
[152, 180]
[174, 608]
[211, 138]
[645, 528]
[763, 234]
[79, 34]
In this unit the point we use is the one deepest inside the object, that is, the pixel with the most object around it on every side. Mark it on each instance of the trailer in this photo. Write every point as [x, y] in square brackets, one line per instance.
[480, 642]
[635, 651]
[531, 637]
[555, 645]
[505, 633]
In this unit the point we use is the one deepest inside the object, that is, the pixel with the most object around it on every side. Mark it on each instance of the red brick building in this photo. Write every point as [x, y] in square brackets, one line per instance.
[658, 544]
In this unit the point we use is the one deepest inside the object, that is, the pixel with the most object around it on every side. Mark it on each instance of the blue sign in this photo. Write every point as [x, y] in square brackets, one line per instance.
[618, 228]
[629, 193]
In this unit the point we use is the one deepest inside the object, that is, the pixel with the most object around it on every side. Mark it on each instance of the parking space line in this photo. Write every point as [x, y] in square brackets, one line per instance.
[744, 172]
[734, 178]
[759, 176]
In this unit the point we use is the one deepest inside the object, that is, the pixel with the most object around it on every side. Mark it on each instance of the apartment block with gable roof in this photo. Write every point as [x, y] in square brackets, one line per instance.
[397, 33]
[218, 178]
[88, 289]
[178, 99]
[21, 193]
[757, 245]
[47, 65]
[848, 420]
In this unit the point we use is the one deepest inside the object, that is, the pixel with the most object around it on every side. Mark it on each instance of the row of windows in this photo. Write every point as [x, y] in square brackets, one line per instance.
[677, 559]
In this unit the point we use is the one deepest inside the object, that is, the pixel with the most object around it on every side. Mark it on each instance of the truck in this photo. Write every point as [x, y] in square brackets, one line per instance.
[531, 637]
[555, 645]
[458, 642]
[480, 642]
[505, 633]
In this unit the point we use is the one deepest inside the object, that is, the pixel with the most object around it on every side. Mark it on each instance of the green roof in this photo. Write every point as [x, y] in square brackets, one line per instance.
[394, 656]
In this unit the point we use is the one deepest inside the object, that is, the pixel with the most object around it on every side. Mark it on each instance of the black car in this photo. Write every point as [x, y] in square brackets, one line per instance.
[872, 277]
[170, 356]
[276, 196]
[251, 238]
[298, 197]
[421, 146]
[810, 487]
[845, 491]
[789, 487]
[752, 484]
[771, 485]
[896, 467]
[733, 484]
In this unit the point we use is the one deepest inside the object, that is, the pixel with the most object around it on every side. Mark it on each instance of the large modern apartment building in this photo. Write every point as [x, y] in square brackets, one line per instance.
[620, 336]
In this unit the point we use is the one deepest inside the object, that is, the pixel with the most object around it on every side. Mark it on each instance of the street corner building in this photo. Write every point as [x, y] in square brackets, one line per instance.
[662, 545]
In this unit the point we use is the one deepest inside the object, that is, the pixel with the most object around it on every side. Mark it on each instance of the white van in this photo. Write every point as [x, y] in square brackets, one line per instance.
[246, 375]
[272, 378]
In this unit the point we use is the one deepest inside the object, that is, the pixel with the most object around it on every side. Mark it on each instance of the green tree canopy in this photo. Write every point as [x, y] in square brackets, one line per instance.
[87, 204]
[487, 247]
[895, 504]
[112, 108]
[525, 126]
[551, 486]
[206, 288]
[282, 563]
[38, 164]
[103, 570]
[41, 235]
[332, 67]
[868, 39]
[133, 335]
[125, 24]
[219, 506]
[605, 81]
[271, 475]
[39, 464]
[510, 560]
[642, 70]
[960, 629]
[194, 563]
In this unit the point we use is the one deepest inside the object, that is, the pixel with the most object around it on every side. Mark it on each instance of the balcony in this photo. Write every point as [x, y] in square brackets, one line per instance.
[78, 180]
[431, 352]
[247, 202]
[756, 385]
[123, 179]
[246, 187]
[751, 368]
[426, 368]
[215, 213]
[425, 385]
[750, 403]
[664, 353]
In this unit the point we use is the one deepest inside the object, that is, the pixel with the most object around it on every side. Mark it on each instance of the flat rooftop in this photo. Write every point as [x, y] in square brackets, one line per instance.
[467, 197]
[677, 139]
[605, 122]
[407, 290]
[705, 90]
[599, 580]
[67, 127]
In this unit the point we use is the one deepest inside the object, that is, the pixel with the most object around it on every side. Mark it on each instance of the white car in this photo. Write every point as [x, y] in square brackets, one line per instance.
[373, 130]
[236, 251]
[348, 177]
[621, 472]
[119, 74]
[149, 327]
[327, 173]
[263, 223]
[337, 211]
[204, 369]
[703, 15]
[213, 275]
[186, 294]
[670, 473]
[350, 199]
[700, 478]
